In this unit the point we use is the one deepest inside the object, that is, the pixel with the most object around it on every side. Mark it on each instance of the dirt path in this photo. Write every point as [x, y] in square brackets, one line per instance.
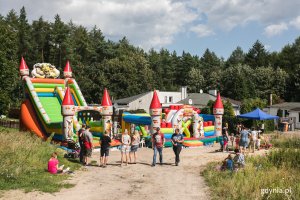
[138, 181]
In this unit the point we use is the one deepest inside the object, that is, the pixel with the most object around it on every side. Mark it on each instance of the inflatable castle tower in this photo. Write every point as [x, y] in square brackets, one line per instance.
[67, 72]
[107, 111]
[155, 113]
[67, 111]
[218, 111]
[24, 71]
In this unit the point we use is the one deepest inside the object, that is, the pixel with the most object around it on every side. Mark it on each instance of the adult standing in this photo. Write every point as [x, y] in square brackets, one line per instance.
[88, 144]
[125, 147]
[158, 141]
[177, 140]
[135, 142]
[253, 139]
[81, 141]
[225, 138]
[238, 129]
[104, 150]
[244, 140]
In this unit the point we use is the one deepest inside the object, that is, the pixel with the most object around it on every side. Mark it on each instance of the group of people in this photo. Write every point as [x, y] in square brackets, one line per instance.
[233, 163]
[129, 146]
[243, 138]
[158, 142]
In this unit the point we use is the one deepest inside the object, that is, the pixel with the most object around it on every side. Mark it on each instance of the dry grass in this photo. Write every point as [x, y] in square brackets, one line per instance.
[23, 163]
[278, 171]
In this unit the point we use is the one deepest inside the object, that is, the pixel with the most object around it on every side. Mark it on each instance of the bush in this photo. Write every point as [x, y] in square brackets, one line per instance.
[23, 163]
[277, 171]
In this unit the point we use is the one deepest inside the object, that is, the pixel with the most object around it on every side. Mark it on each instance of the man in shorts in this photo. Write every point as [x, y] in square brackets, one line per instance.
[104, 150]
[88, 144]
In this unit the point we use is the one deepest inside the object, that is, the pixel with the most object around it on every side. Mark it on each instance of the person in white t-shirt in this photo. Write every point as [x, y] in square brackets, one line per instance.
[125, 148]
[253, 140]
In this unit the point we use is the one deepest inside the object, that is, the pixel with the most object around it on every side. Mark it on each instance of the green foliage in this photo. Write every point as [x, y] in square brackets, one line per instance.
[237, 82]
[237, 57]
[196, 80]
[23, 164]
[257, 56]
[277, 170]
[249, 105]
[286, 141]
[127, 70]
[228, 109]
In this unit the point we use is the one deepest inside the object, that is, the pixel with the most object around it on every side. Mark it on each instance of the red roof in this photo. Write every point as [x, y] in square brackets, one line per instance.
[218, 103]
[155, 103]
[23, 64]
[68, 67]
[68, 98]
[106, 99]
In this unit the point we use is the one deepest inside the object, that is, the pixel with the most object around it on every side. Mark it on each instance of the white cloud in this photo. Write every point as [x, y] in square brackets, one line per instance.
[275, 29]
[227, 14]
[155, 23]
[296, 22]
[147, 23]
[202, 30]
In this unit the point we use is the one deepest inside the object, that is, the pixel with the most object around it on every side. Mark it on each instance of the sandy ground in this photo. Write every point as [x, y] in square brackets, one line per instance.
[138, 181]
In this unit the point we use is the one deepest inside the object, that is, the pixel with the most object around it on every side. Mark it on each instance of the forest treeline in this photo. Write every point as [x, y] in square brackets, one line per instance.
[126, 70]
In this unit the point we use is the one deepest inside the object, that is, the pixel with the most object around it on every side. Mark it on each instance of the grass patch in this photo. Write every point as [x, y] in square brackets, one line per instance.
[278, 171]
[23, 163]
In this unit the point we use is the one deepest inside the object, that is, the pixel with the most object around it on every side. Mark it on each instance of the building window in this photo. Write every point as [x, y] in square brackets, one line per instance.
[166, 99]
[299, 117]
[170, 99]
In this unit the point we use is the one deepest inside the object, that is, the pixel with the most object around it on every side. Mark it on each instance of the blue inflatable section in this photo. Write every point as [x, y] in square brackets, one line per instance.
[97, 134]
[207, 117]
[168, 136]
[74, 100]
[135, 119]
[46, 94]
[209, 133]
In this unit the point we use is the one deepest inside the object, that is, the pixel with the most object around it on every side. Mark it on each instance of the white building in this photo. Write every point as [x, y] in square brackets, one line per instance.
[287, 109]
[142, 101]
[167, 98]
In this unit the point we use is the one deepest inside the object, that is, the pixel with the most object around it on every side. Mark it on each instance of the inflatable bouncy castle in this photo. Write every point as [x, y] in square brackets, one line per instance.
[54, 106]
[197, 128]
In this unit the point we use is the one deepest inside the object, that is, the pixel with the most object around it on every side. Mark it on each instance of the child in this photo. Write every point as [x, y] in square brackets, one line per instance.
[258, 142]
[53, 165]
[227, 163]
[239, 160]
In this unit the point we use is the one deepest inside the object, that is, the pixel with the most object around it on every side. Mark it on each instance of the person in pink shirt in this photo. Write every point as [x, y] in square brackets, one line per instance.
[53, 165]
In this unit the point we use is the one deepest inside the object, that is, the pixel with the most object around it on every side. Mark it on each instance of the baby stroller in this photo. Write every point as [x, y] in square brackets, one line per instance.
[73, 149]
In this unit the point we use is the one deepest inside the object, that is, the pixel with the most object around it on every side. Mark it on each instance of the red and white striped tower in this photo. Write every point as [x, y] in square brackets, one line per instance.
[68, 111]
[218, 112]
[67, 72]
[24, 71]
[107, 111]
[155, 113]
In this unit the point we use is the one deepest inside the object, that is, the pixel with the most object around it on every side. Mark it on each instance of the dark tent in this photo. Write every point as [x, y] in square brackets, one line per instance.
[258, 115]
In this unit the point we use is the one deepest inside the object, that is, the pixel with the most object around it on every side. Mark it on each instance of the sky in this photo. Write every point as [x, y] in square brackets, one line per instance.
[177, 25]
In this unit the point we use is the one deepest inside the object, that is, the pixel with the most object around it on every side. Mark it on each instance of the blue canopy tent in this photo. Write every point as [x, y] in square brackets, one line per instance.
[258, 115]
